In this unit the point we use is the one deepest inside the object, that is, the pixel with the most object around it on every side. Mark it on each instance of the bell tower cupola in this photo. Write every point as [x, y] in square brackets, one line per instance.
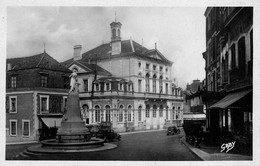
[116, 37]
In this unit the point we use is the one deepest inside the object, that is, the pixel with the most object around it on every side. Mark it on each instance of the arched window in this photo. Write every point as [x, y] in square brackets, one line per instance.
[114, 33]
[139, 65]
[107, 113]
[86, 113]
[129, 109]
[140, 113]
[154, 111]
[147, 83]
[161, 111]
[160, 84]
[120, 117]
[154, 83]
[119, 33]
[97, 113]
[147, 111]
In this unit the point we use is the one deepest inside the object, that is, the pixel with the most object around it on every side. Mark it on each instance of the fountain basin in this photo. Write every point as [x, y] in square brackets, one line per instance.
[53, 144]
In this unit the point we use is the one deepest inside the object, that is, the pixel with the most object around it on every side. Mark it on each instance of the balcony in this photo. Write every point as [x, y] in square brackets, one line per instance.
[130, 94]
[239, 84]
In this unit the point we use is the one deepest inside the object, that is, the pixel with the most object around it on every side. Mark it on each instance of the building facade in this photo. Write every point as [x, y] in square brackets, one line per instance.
[124, 83]
[229, 59]
[36, 92]
[195, 108]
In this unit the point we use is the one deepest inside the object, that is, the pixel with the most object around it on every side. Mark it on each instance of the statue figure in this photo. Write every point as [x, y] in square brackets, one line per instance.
[73, 80]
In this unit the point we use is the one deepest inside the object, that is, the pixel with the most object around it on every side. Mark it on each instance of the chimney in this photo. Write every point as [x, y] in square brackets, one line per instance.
[77, 52]
[155, 45]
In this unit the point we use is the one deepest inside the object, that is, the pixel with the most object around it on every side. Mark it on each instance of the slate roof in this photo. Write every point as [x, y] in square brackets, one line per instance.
[92, 68]
[104, 52]
[43, 60]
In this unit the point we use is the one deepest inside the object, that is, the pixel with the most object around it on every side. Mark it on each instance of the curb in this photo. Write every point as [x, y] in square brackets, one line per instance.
[136, 132]
[20, 143]
[188, 147]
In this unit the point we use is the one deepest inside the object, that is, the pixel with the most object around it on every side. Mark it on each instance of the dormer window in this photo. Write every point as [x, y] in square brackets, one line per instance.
[161, 68]
[97, 87]
[154, 67]
[120, 86]
[147, 66]
[107, 86]
[44, 80]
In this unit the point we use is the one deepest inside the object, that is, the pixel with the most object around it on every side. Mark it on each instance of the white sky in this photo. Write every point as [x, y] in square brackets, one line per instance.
[178, 31]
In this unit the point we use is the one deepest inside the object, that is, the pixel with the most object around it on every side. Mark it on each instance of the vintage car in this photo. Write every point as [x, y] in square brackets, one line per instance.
[172, 130]
[104, 131]
[108, 135]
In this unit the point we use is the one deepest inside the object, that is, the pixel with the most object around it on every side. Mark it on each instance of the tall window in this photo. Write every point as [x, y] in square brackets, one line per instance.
[166, 88]
[129, 113]
[13, 81]
[139, 65]
[139, 85]
[161, 111]
[86, 85]
[114, 33]
[147, 83]
[13, 127]
[154, 111]
[154, 67]
[154, 84]
[86, 113]
[233, 56]
[107, 113]
[120, 86]
[26, 128]
[167, 112]
[147, 111]
[140, 113]
[120, 117]
[242, 56]
[44, 104]
[13, 104]
[97, 113]
[107, 87]
[119, 33]
[251, 45]
[44, 80]
[147, 66]
[161, 68]
[97, 87]
[173, 113]
[160, 85]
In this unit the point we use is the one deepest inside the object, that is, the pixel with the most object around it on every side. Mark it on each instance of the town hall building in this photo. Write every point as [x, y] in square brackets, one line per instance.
[126, 84]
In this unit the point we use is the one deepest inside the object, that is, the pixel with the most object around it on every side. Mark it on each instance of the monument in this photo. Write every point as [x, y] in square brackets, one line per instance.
[72, 136]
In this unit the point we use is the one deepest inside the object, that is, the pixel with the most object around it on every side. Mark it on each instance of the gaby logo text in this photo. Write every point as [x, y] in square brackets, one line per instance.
[227, 146]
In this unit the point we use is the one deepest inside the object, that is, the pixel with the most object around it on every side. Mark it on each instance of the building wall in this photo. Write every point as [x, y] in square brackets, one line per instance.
[25, 111]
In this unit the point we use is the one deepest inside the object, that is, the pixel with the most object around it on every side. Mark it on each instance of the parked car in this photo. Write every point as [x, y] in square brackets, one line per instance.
[172, 130]
[108, 135]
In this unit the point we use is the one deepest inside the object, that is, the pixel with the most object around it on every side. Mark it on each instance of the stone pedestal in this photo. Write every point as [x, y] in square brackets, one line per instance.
[73, 128]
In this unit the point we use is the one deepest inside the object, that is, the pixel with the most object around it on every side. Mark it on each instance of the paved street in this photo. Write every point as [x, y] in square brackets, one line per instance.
[151, 146]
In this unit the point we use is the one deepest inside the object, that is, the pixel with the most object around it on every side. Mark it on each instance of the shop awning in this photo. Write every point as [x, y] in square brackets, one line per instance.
[229, 99]
[194, 117]
[52, 122]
